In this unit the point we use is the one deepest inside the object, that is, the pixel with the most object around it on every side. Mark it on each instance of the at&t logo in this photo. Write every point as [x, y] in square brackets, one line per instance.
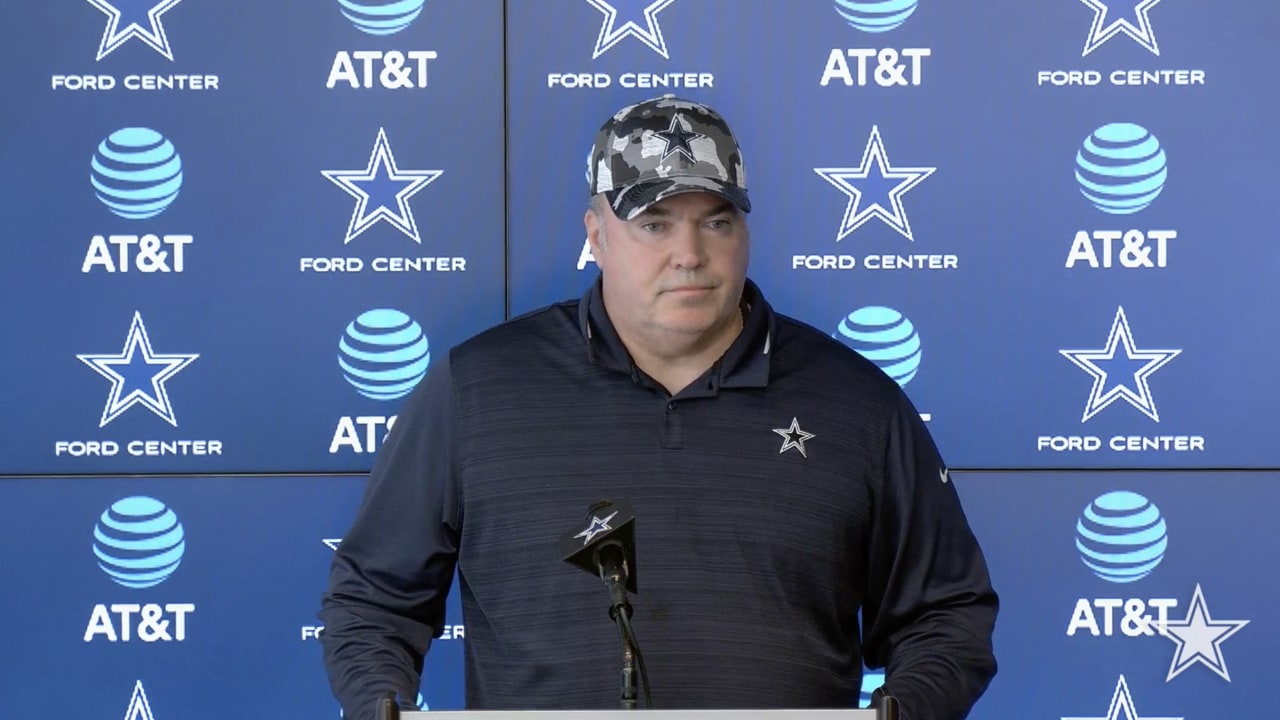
[887, 338]
[383, 354]
[1121, 170]
[139, 543]
[630, 24]
[1122, 539]
[880, 66]
[136, 174]
[382, 69]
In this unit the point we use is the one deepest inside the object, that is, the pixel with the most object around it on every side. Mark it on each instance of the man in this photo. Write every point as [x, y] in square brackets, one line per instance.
[781, 483]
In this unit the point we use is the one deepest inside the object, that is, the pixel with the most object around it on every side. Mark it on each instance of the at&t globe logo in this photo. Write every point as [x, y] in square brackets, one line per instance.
[381, 69]
[384, 354]
[1121, 168]
[139, 543]
[885, 337]
[381, 17]
[894, 66]
[136, 172]
[1121, 537]
[875, 16]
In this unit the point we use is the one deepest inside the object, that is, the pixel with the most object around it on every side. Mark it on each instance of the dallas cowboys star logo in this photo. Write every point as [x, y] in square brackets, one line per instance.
[677, 139]
[138, 375]
[882, 184]
[1199, 639]
[793, 437]
[1104, 27]
[331, 543]
[133, 19]
[611, 33]
[139, 708]
[1106, 369]
[386, 188]
[1122, 707]
[597, 526]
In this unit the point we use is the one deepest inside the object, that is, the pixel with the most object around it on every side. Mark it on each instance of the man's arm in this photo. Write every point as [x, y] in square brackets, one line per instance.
[930, 609]
[392, 571]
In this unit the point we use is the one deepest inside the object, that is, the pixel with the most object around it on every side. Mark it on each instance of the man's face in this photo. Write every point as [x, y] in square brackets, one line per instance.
[678, 268]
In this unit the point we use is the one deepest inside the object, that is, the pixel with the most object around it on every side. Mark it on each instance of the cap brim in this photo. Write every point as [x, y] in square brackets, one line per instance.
[630, 201]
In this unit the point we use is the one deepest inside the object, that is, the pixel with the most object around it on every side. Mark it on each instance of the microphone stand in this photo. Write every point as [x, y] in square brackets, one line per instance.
[612, 566]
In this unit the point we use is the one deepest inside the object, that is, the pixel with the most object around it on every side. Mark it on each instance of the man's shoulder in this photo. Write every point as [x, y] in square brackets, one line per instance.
[803, 347]
[513, 343]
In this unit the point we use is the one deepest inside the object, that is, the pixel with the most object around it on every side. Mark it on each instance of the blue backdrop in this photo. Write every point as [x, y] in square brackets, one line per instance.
[238, 234]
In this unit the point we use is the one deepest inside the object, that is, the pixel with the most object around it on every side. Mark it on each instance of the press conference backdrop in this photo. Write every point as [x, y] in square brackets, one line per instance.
[239, 234]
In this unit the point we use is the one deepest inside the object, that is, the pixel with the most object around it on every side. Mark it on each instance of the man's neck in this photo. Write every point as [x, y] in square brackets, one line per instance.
[680, 366]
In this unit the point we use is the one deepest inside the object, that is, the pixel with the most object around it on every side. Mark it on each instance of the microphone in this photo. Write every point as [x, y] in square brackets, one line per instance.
[606, 547]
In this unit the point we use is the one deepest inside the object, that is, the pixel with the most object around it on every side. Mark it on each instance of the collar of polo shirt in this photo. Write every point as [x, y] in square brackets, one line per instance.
[744, 364]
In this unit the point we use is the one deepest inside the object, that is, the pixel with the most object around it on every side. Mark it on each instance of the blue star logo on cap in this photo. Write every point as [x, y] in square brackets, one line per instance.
[134, 19]
[677, 139]
[875, 188]
[645, 12]
[1104, 27]
[138, 375]
[382, 191]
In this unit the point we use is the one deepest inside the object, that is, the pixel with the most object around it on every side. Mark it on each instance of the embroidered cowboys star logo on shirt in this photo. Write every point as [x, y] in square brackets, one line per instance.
[597, 526]
[794, 437]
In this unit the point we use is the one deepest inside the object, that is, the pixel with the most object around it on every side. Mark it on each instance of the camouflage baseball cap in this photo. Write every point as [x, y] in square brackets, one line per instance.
[662, 147]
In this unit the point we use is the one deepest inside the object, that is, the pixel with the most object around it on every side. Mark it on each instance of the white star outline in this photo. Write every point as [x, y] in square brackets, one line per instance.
[1122, 707]
[1102, 31]
[331, 543]
[896, 216]
[1199, 639]
[611, 35]
[794, 437]
[158, 401]
[597, 526]
[1120, 335]
[380, 157]
[113, 37]
[139, 708]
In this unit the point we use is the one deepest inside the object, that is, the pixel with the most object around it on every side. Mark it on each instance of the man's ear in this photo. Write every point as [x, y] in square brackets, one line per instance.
[595, 230]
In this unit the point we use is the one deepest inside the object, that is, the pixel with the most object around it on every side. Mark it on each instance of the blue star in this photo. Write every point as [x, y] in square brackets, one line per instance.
[1137, 365]
[1102, 30]
[1122, 707]
[139, 708]
[141, 375]
[139, 18]
[383, 186]
[597, 526]
[611, 33]
[677, 139]
[1199, 639]
[881, 183]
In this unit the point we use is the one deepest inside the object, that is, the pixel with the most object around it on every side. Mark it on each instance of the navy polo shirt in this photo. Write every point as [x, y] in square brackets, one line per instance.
[790, 487]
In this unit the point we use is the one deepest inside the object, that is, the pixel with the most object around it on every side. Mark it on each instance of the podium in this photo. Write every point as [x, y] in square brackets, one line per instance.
[886, 708]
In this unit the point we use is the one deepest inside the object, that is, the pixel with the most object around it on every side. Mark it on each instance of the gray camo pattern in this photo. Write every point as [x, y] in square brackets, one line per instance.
[628, 156]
